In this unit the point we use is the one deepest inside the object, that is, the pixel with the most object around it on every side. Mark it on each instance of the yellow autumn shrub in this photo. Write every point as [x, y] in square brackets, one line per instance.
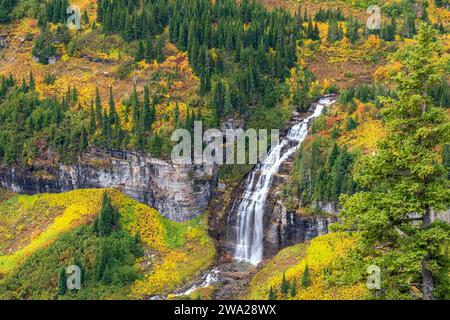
[175, 251]
[322, 255]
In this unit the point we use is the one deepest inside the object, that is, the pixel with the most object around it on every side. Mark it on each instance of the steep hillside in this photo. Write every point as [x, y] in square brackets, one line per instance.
[312, 271]
[146, 253]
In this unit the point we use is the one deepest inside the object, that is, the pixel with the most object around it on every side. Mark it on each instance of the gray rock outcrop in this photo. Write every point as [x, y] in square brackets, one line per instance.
[179, 192]
[286, 228]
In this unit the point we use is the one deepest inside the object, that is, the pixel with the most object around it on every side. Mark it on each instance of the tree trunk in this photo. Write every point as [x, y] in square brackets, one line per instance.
[427, 276]
[424, 94]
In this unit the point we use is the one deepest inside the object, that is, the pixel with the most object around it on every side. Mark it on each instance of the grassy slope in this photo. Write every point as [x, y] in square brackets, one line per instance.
[30, 224]
[37, 276]
[324, 256]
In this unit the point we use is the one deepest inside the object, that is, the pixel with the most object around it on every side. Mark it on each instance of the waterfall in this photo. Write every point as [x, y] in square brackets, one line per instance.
[250, 212]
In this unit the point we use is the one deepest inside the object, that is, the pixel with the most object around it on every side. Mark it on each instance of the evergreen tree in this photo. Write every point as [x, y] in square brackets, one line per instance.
[316, 33]
[105, 125]
[98, 106]
[153, 112]
[32, 84]
[334, 31]
[74, 94]
[306, 278]
[352, 27]
[107, 276]
[405, 182]
[388, 30]
[284, 285]
[333, 155]
[272, 294]
[83, 139]
[293, 291]
[113, 116]
[24, 85]
[310, 30]
[189, 121]
[159, 50]
[147, 112]
[192, 31]
[228, 107]
[140, 52]
[446, 159]
[92, 124]
[128, 30]
[135, 110]
[218, 98]
[351, 124]
[149, 56]
[155, 145]
[176, 114]
[101, 261]
[107, 219]
[85, 18]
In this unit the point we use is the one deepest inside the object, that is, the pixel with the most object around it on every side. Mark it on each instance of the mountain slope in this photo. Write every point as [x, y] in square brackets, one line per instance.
[324, 258]
[149, 254]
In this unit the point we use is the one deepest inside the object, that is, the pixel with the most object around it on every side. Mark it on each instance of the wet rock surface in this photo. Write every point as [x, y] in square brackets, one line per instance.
[286, 228]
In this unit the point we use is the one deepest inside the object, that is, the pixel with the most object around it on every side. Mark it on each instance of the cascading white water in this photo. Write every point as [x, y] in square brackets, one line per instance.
[249, 242]
[208, 279]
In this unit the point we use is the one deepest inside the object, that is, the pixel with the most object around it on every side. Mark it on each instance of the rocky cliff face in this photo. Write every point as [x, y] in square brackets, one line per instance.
[179, 192]
[326, 206]
[286, 228]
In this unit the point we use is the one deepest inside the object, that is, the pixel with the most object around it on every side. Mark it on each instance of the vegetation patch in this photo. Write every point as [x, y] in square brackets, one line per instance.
[125, 249]
[310, 271]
